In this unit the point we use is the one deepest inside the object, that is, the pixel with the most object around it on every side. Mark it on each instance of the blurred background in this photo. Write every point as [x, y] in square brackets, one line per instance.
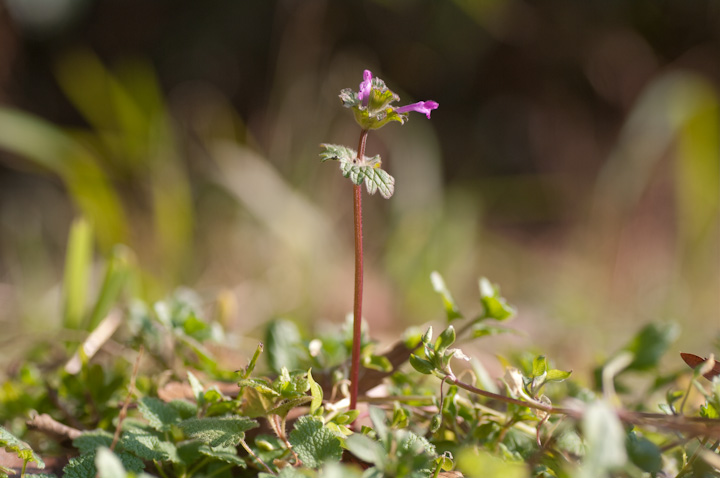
[574, 160]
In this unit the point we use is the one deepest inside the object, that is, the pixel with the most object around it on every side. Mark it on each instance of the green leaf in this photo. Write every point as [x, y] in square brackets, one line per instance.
[445, 340]
[539, 366]
[451, 309]
[284, 408]
[197, 388]
[184, 408]
[494, 305]
[483, 329]
[643, 453]
[282, 341]
[337, 152]
[314, 443]
[225, 454]
[77, 272]
[259, 385]
[143, 445]
[83, 466]
[473, 463]
[377, 362]
[650, 344]
[21, 449]
[366, 449]
[160, 415]
[92, 440]
[365, 171]
[218, 431]
[117, 274]
[555, 375]
[316, 393]
[421, 365]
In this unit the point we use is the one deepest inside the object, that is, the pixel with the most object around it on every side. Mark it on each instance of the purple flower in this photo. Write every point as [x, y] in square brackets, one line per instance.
[420, 107]
[365, 87]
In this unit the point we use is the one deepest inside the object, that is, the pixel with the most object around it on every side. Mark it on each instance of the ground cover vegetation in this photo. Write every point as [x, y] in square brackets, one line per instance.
[142, 393]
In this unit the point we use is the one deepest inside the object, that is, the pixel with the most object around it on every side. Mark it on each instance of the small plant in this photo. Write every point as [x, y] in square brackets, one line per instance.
[373, 108]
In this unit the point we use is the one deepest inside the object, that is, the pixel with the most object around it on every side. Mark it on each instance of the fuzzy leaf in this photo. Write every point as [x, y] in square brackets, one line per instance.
[337, 152]
[21, 449]
[451, 309]
[218, 431]
[83, 466]
[160, 415]
[314, 444]
[92, 440]
[284, 408]
[365, 171]
[143, 445]
[226, 454]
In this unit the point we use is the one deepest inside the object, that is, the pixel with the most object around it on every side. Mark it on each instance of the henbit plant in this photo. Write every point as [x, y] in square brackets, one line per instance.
[373, 108]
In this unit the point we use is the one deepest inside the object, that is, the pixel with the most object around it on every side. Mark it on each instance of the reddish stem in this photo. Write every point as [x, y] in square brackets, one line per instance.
[357, 304]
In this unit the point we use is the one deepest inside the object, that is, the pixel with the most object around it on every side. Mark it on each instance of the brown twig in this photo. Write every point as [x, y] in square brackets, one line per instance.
[131, 389]
[47, 424]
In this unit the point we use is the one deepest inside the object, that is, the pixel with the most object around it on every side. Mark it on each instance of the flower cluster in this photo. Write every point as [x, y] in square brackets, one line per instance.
[373, 106]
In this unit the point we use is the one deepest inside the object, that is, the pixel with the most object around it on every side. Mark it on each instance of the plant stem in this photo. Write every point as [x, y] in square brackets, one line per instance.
[357, 304]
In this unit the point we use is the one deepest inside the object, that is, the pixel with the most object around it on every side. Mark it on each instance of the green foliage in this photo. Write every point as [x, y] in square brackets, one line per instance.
[315, 444]
[12, 444]
[359, 171]
[416, 431]
[218, 431]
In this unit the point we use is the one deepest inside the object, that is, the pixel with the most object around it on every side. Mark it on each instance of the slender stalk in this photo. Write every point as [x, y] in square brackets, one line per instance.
[357, 303]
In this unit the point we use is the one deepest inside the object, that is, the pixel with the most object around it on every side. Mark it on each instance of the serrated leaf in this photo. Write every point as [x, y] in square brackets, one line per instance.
[160, 415]
[184, 408]
[83, 466]
[92, 440]
[337, 152]
[483, 329]
[226, 454]
[315, 444]
[377, 179]
[14, 445]
[452, 311]
[143, 445]
[218, 431]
